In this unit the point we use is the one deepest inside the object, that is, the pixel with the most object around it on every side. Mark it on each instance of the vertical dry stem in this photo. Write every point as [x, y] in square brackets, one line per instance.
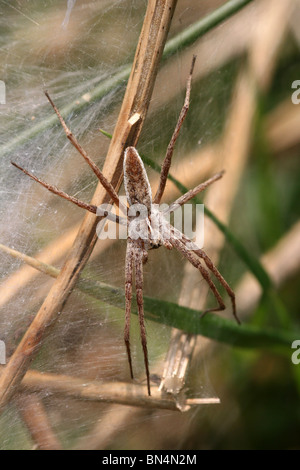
[137, 97]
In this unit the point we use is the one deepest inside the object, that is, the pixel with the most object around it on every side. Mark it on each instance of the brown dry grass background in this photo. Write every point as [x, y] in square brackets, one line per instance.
[241, 119]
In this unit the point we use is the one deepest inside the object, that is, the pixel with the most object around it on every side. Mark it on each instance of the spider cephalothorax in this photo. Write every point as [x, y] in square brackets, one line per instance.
[147, 226]
[145, 221]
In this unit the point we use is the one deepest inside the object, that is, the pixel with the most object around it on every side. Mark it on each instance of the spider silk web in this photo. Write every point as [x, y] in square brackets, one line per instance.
[70, 48]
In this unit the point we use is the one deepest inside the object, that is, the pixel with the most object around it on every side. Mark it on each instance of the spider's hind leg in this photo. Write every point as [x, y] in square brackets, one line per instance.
[138, 262]
[196, 262]
[221, 279]
[128, 299]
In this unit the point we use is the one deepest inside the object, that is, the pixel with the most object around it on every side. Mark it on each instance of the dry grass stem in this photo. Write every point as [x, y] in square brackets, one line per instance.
[128, 401]
[109, 392]
[49, 255]
[37, 422]
[137, 97]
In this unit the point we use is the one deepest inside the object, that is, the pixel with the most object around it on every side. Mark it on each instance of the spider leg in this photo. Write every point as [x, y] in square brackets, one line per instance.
[58, 192]
[111, 216]
[138, 261]
[128, 299]
[221, 279]
[105, 183]
[89, 207]
[196, 262]
[193, 192]
[168, 158]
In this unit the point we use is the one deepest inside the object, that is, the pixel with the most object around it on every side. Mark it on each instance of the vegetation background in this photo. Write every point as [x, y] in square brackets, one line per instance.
[242, 119]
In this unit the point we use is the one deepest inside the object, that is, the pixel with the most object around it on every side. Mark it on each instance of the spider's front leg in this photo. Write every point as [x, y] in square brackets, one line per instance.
[105, 183]
[169, 154]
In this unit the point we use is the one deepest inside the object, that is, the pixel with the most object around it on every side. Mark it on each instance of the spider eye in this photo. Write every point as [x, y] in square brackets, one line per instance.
[154, 246]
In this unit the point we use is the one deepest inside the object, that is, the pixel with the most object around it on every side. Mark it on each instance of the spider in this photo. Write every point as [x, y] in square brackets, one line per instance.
[152, 229]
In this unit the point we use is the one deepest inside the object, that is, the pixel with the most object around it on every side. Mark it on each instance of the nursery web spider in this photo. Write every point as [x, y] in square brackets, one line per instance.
[138, 191]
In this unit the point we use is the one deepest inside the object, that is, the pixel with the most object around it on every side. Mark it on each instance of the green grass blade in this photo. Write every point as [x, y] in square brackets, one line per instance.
[199, 28]
[189, 320]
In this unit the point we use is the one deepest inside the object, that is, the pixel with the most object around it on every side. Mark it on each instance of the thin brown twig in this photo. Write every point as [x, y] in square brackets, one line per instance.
[107, 392]
[37, 422]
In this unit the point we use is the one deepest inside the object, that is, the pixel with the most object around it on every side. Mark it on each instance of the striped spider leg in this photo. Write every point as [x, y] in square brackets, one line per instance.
[142, 219]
